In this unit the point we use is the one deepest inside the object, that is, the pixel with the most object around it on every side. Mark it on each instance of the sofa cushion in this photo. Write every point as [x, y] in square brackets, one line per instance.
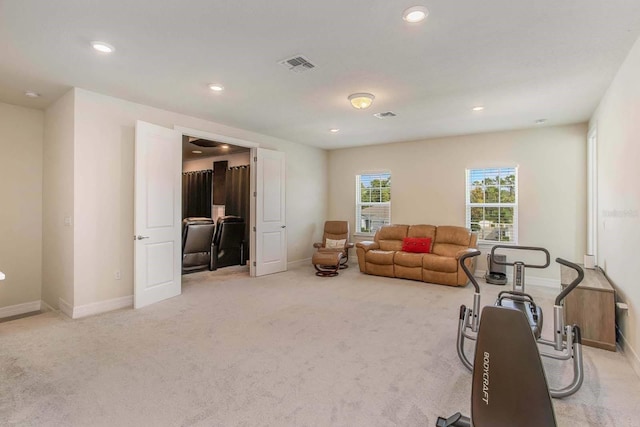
[420, 245]
[393, 232]
[447, 249]
[455, 235]
[439, 263]
[422, 231]
[379, 257]
[408, 259]
[390, 237]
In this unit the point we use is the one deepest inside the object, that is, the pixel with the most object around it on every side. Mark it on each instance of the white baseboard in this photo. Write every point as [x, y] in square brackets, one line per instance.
[629, 353]
[46, 307]
[14, 310]
[65, 307]
[529, 280]
[102, 306]
[298, 263]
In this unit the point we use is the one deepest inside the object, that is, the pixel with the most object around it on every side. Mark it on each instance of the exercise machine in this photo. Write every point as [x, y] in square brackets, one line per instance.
[516, 297]
[509, 386]
[566, 343]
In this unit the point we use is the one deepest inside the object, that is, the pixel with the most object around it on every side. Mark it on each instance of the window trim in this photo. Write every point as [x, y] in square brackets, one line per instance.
[514, 205]
[359, 204]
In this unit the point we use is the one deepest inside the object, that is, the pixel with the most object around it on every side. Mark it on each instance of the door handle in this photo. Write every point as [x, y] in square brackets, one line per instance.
[283, 226]
[138, 237]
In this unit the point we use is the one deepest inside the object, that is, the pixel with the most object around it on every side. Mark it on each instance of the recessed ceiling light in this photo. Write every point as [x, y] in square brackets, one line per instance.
[197, 152]
[415, 14]
[478, 108]
[540, 121]
[216, 87]
[334, 130]
[102, 47]
[32, 94]
[224, 146]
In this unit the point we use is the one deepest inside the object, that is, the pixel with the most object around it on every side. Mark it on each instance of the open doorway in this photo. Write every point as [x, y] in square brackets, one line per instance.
[216, 212]
[158, 210]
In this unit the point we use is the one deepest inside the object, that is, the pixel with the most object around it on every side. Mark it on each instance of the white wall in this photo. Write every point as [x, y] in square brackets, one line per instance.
[617, 120]
[104, 170]
[238, 159]
[57, 196]
[21, 139]
[428, 183]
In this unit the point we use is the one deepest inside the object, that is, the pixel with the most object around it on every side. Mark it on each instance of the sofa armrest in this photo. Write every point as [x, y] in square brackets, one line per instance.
[464, 251]
[348, 245]
[367, 246]
[317, 245]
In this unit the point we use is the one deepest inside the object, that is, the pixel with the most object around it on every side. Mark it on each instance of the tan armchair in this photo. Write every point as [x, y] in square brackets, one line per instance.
[332, 240]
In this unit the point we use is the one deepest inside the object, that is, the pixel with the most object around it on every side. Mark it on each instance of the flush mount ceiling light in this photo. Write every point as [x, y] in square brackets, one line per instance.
[102, 47]
[334, 130]
[224, 146]
[216, 87]
[415, 14]
[540, 121]
[478, 108]
[361, 101]
[197, 152]
[31, 94]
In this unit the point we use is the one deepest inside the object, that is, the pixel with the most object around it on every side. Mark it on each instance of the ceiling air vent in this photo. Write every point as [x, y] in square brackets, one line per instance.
[298, 64]
[385, 115]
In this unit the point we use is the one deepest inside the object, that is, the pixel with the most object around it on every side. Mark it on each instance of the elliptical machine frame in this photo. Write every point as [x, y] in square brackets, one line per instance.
[566, 343]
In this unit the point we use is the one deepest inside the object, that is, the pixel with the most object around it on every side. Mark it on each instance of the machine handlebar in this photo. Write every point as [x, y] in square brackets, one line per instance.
[571, 285]
[466, 270]
[522, 248]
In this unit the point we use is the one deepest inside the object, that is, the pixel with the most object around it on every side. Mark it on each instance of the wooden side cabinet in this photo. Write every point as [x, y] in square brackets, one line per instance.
[592, 307]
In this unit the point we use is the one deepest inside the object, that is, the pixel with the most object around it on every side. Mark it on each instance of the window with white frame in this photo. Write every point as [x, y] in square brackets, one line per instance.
[492, 204]
[373, 201]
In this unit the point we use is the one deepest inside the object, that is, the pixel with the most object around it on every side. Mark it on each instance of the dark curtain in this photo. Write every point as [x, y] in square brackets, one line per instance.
[237, 203]
[196, 193]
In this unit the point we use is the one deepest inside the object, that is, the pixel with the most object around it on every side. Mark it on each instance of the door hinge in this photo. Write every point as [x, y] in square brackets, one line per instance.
[255, 194]
[254, 229]
[255, 159]
[254, 263]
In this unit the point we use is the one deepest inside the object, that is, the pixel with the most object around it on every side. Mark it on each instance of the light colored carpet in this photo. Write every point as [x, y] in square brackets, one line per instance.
[290, 349]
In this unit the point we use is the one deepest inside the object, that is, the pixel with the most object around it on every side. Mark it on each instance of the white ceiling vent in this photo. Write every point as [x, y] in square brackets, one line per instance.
[298, 64]
[385, 115]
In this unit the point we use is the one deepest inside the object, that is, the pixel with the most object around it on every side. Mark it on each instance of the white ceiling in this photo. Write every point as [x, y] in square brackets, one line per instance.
[522, 60]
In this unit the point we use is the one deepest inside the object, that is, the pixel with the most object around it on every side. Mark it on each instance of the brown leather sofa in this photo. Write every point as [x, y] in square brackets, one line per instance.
[384, 255]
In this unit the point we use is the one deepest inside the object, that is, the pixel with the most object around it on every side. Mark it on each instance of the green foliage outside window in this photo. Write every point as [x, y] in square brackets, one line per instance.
[378, 191]
[373, 202]
[491, 203]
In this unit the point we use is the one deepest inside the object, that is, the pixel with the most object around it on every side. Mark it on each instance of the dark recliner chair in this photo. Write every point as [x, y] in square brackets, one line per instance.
[228, 242]
[197, 238]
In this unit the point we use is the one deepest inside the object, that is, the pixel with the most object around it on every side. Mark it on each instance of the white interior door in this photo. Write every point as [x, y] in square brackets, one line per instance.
[158, 198]
[271, 232]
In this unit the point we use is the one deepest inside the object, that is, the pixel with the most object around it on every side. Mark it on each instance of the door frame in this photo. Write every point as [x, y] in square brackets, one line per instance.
[252, 178]
[592, 192]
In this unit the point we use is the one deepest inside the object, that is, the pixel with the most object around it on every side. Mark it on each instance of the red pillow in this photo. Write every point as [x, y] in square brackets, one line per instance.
[421, 245]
